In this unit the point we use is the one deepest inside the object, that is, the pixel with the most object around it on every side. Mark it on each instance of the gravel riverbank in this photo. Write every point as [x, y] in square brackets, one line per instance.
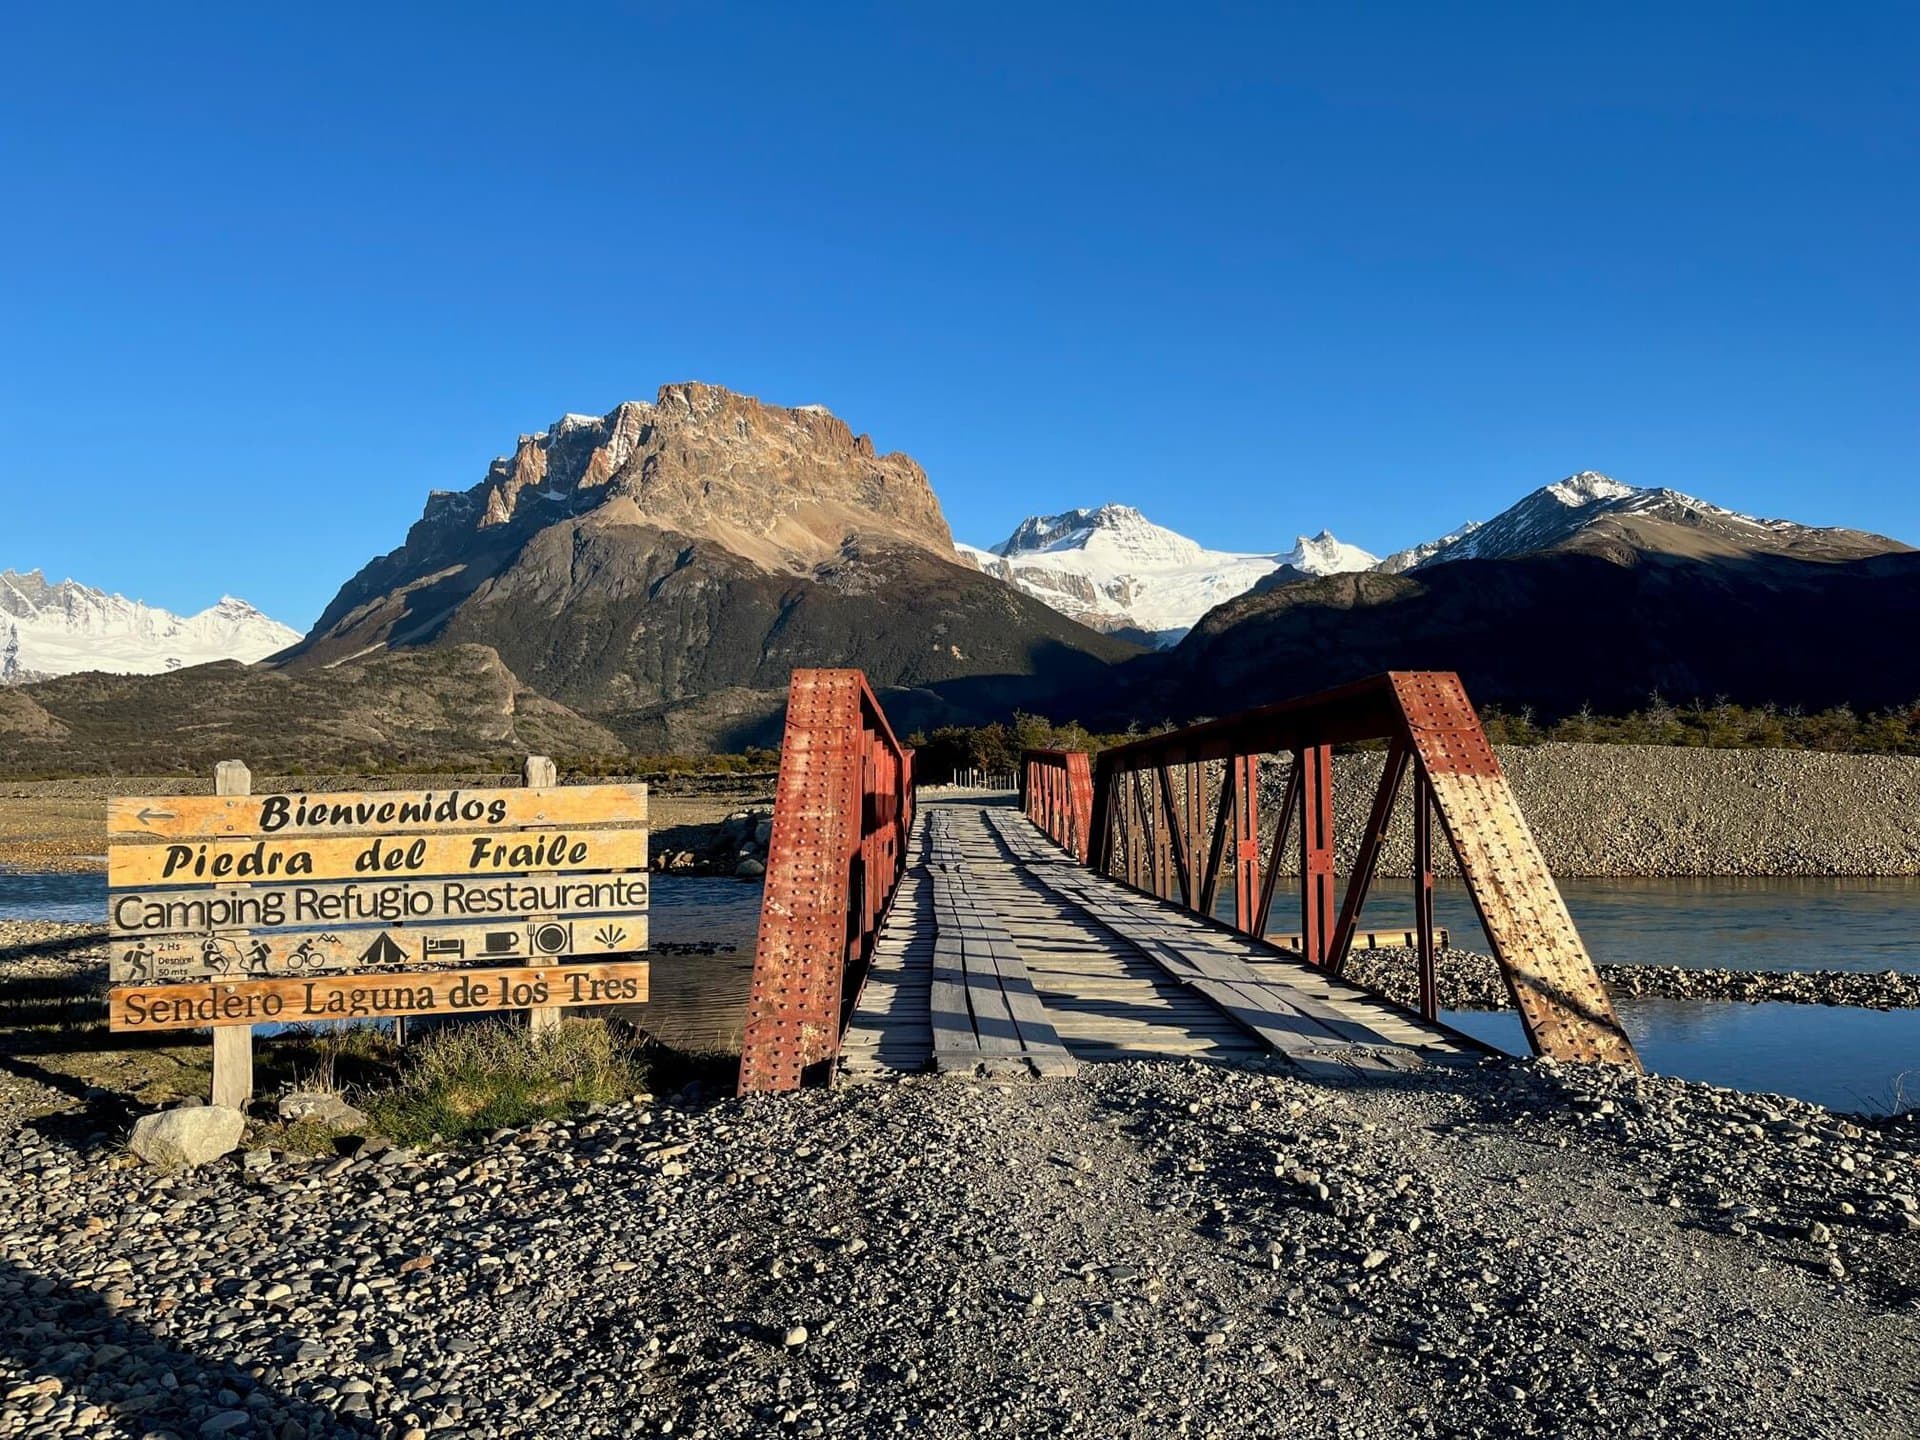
[1144, 1251]
[1470, 980]
[1668, 810]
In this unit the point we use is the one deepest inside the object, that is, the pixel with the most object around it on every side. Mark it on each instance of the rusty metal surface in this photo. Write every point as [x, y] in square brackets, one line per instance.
[1315, 767]
[1057, 795]
[1562, 1003]
[1246, 840]
[842, 808]
[1368, 860]
[1423, 927]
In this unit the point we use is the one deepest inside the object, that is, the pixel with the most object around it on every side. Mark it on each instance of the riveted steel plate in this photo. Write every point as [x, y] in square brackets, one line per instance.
[1562, 1002]
[799, 959]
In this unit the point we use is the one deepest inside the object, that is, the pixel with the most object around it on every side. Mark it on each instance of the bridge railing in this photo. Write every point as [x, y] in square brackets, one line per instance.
[1056, 791]
[842, 812]
[1175, 814]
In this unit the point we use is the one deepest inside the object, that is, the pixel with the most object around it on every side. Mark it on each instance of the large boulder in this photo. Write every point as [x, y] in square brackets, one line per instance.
[323, 1108]
[181, 1139]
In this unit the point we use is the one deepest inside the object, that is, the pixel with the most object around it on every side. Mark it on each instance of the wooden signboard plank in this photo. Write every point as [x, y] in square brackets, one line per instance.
[353, 997]
[255, 954]
[413, 812]
[239, 862]
[333, 905]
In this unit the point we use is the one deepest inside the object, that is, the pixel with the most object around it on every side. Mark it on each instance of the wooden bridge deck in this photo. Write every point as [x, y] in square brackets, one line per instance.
[1002, 956]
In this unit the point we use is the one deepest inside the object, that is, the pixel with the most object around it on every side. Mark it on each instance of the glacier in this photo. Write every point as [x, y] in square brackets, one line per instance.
[51, 629]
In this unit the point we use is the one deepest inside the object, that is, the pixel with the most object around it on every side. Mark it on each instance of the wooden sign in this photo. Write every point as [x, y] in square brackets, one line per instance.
[493, 852]
[355, 997]
[233, 886]
[361, 812]
[325, 905]
[138, 959]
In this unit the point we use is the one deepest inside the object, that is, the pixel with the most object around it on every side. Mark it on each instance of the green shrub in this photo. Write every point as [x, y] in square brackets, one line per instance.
[468, 1079]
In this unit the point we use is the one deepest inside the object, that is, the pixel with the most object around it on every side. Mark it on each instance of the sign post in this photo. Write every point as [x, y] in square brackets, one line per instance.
[232, 1044]
[239, 909]
[541, 773]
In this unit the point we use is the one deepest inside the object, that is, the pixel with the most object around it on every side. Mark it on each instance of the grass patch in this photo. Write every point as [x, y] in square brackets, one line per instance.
[302, 1137]
[333, 1059]
[466, 1080]
[58, 999]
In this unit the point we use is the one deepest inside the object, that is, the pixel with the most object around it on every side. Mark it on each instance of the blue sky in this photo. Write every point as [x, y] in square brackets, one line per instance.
[273, 272]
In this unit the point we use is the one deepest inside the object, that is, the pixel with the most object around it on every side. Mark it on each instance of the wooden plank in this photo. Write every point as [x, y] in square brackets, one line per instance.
[1313, 1055]
[416, 812]
[1338, 1022]
[992, 1020]
[954, 1041]
[260, 954]
[1371, 939]
[341, 904]
[1008, 1021]
[1266, 1008]
[444, 992]
[235, 862]
[1038, 1039]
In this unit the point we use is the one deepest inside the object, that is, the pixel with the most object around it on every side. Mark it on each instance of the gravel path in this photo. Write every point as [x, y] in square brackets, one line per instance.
[1144, 1251]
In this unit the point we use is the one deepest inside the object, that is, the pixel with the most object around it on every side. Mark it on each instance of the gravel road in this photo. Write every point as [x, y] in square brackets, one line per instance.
[1147, 1250]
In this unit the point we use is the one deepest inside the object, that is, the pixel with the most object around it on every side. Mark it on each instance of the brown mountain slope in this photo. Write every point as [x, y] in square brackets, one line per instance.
[634, 565]
[455, 705]
[1600, 624]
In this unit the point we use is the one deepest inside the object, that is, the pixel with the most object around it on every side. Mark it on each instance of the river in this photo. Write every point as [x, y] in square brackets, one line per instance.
[1843, 1057]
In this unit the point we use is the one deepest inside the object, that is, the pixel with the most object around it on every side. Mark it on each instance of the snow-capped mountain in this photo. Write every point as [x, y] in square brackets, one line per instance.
[1591, 509]
[48, 629]
[1113, 569]
[1323, 555]
[1414, 556]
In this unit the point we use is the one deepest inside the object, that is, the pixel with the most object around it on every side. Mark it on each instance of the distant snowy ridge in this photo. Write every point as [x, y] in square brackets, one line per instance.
[48, 629]
[1556, 514]
[1113, 569]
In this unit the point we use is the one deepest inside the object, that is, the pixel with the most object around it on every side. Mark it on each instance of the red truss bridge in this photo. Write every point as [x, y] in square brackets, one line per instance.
[1178, 896]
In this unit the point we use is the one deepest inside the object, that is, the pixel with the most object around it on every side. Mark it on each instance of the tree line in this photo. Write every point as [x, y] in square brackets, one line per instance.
[1718, 725]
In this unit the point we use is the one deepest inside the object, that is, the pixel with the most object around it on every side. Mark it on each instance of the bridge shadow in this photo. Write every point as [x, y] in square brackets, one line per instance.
[1176, 1008]
[57, 1332]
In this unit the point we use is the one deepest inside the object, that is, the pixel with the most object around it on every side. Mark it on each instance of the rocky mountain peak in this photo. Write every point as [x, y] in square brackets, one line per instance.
[641, 563]
[1326, 554]
[786, 486]
[1586, 488]
[1117, 531]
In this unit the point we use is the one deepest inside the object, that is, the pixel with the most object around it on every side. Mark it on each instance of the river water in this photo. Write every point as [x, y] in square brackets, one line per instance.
[1843, 1057]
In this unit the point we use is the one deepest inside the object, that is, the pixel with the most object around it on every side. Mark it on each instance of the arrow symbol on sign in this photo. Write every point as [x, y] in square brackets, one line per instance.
[147, 817]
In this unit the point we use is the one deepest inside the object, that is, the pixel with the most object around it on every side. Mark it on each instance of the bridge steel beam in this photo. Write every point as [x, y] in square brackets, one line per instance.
[842, 813]
[1314, 763]
[1433, 732]
[1246, 838]
[1056, 792]
[1371, 843]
